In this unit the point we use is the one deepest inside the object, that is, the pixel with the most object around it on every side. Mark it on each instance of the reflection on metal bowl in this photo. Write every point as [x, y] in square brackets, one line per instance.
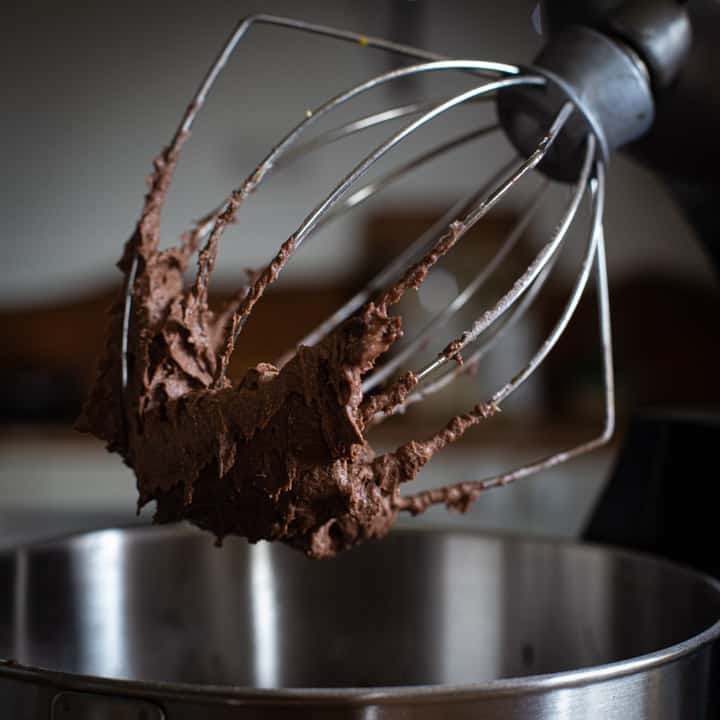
[157, 623]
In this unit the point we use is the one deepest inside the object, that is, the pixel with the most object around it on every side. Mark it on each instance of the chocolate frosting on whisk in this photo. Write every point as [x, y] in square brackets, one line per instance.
[281, 455]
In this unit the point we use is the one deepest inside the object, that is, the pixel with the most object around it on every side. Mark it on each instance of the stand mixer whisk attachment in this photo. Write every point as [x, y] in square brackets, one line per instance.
[588, 94]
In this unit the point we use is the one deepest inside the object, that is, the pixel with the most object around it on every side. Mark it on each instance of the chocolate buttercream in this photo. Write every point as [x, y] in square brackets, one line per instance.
[281, 454]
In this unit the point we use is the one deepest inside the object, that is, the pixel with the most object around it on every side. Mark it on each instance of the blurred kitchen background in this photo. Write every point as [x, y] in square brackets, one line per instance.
[93, 90]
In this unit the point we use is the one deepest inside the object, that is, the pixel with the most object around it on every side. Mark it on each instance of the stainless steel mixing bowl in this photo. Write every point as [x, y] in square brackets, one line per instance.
[150, 623]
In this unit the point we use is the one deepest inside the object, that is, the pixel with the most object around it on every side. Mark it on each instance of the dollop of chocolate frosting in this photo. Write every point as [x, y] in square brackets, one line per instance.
[279, 455]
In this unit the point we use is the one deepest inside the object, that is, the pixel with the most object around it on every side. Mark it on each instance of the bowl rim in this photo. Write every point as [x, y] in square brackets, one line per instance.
[528, 684]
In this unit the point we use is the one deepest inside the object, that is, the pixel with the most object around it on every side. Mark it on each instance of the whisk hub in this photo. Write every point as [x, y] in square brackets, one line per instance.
[606, 82]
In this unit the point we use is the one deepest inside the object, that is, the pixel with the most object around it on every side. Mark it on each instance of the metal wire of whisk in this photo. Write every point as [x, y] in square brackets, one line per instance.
[561, 118]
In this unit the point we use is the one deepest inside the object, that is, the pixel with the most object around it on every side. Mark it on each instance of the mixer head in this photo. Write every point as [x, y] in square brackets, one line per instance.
[587, 95]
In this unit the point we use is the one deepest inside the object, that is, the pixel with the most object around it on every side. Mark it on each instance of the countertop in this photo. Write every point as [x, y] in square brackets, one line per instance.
[54, 481]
